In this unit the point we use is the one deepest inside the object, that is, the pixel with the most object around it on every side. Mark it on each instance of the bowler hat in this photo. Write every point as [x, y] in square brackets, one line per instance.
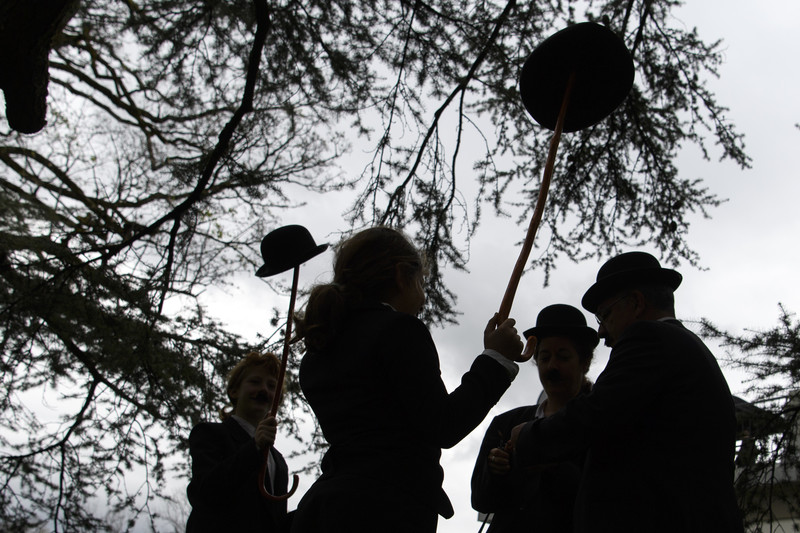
[626, 270]
[561, 320]
[603, 70]
[285, 248]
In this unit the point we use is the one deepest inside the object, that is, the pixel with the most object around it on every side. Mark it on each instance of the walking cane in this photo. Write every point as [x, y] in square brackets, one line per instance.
[284, 248]
[572, 80]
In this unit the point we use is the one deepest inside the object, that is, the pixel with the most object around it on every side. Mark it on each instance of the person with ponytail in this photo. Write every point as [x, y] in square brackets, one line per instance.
[227, 457]
[542, 500]
[371, 374]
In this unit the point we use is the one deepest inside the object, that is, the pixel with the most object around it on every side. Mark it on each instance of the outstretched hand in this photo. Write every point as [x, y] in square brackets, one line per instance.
[504, 339]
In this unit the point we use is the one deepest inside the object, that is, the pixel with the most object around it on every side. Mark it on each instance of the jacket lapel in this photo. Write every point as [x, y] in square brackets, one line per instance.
[281, 473]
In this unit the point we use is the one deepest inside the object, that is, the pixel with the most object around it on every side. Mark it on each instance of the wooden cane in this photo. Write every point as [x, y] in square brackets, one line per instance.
[519, 267]
[277, 399]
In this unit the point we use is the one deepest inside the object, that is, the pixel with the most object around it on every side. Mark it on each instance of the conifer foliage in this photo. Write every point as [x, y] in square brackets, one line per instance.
[768, 461]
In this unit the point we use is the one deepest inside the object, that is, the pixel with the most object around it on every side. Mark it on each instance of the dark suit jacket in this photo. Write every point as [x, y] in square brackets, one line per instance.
[659, 427]
[542, 501]
[224, 487]
[379, 398]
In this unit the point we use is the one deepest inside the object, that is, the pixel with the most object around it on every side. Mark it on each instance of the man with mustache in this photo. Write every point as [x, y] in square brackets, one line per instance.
[658, 427]
[540, 501]
[227, 457]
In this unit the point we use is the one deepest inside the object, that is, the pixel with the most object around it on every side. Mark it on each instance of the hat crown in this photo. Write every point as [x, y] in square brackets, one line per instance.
[627, 262]
[560, 315]
[562, 320]
[603, 72]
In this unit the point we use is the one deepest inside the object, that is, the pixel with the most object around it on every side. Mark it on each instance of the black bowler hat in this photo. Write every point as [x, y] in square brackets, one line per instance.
[603, 76]
[285, 248]
[625, 270]
[561, 320]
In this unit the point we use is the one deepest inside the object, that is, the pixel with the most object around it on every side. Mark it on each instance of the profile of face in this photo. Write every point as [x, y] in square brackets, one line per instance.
[418, 291]
[254, 394]
[410, 297]
[560, 368]
[614, 315]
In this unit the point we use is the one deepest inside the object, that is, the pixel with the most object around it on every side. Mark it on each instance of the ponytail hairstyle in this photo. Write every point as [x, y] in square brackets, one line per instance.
[364, 270]
[252, 360]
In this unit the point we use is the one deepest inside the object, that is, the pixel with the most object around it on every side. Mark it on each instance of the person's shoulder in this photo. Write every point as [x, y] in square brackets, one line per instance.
[207, 427]
[518, 413]
[203, 431]
[388, 318]
[666, 335]
[657, 328]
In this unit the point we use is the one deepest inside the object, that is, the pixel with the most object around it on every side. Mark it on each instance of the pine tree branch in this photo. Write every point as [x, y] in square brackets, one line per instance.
[223, 143]
[390, 212]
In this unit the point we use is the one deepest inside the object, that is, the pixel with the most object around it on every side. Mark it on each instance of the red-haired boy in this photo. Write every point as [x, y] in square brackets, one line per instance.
[227, 456]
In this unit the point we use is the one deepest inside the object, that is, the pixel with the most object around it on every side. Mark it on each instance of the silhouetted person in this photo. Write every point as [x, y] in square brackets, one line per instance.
[227, 457]
[371, 375]
[659, 425]
[541, 501]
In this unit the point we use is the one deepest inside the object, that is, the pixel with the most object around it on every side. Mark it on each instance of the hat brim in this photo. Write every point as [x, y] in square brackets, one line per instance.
[290, 262]
[620, 280]
[581, 333]
[603, 70]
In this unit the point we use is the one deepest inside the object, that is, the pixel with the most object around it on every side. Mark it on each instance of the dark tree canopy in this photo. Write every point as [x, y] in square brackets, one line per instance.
[180, 132]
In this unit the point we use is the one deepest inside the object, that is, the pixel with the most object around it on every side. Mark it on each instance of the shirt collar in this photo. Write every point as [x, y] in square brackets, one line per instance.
[247, 426]
[540, 409]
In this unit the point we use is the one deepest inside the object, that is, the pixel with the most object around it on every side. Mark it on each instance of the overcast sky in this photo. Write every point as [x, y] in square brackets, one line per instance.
[748, 249]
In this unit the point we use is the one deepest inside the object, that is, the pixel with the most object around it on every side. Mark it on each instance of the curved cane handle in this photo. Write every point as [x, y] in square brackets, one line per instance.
[262, 478]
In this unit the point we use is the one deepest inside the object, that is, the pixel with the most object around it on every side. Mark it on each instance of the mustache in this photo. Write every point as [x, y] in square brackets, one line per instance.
[552, 375]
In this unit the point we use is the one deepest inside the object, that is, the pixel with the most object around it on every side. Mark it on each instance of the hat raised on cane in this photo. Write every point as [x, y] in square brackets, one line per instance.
[572, 80]
[602, 66]
[285, 248]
